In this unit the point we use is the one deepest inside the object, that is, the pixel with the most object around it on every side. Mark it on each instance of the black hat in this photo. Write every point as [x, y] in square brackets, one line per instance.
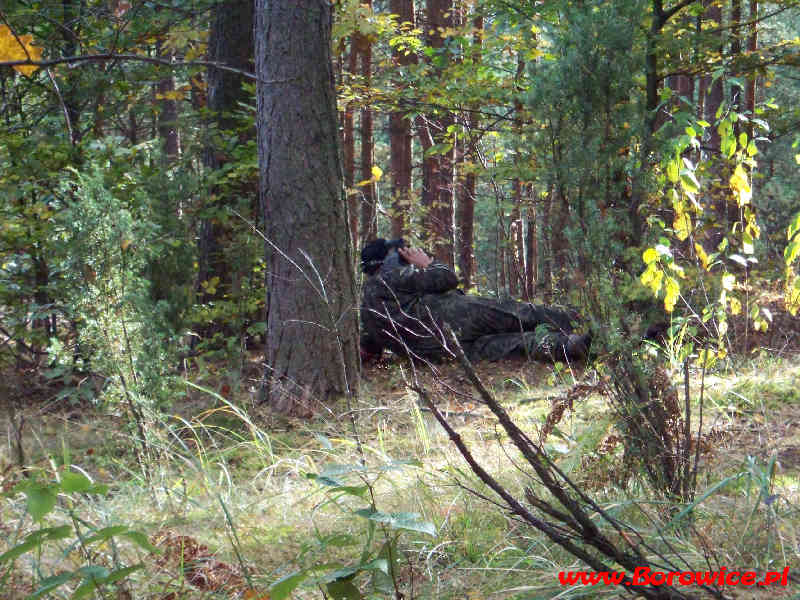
[372, 255]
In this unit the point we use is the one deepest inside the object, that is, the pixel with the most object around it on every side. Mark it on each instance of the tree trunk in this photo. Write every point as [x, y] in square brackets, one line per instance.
[167, 121]
[531, 249]
[349, 151]
[312, 334]
[400, 134]
[465, 222]
[465, 206]
[547, 245]
[369, 225]
[437, 182]
[752, 46]
[514, 241]
[230, 43]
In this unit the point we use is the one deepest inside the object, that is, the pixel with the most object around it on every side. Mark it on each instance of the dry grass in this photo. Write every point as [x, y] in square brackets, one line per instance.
[216, 456]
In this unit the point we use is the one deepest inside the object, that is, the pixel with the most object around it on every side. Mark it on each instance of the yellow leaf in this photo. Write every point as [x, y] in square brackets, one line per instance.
[671, 291]
[741, 186]
[793, 296]
[707, 358]
[701, 254]
[736, 306]
[18, 48]
[682, 225]
[652, 277]
[650, 255]
[170, 95]
[673, 171]
[377, 173]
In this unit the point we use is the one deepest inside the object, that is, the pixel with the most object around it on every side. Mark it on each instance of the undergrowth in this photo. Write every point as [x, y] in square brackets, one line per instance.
[243, 504]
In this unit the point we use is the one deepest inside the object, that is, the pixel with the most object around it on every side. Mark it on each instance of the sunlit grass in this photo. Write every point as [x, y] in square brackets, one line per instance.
[214, 453]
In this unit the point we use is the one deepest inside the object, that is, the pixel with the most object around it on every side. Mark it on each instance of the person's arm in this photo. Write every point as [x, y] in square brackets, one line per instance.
[420, 276]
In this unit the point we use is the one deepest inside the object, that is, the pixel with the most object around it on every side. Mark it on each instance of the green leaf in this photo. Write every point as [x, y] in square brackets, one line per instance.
[88, 587]
[34, 540]
[792, 250]
[41, 499]
[50, 583]
[407, 521]
[747, 243]
[381, 579]
[140, 539]
[284, 586]
[689, 508]
[343, 589]
[97, 488]
[75, 482]
[794, 226]
[105, 533]
[353, 490]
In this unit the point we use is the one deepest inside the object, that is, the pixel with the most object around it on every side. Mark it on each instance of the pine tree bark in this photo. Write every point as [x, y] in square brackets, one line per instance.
[349, 150]
[465, 220]
[437, 172]
[465, 203]
[752, 46]
[230, 43]
[312, 328]
[531, 248]
[400, 134]
[369, 225]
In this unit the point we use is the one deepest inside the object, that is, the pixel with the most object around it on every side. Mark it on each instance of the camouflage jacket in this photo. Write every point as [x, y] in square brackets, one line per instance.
[404, 308]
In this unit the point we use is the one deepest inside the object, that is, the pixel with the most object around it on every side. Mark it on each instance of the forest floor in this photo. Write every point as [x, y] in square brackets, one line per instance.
[229, 503]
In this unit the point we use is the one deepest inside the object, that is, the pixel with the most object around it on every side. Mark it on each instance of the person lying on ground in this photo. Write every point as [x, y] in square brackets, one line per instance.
[408, 298]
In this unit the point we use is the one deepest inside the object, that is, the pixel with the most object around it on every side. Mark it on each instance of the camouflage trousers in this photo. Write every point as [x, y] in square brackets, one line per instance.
[491, 329]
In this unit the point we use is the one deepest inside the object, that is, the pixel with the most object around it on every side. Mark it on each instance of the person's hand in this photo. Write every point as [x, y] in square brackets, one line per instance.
[415, 256]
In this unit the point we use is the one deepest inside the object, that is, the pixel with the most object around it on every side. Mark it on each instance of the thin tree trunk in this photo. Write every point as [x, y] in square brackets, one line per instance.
[750, 87]
[547, 245]
[531, 248]
[369, 226]
[465, 220]
[400, 134]
[349, 151]
[437, 183]
[230, 43]
[465, 207]
[167, 122]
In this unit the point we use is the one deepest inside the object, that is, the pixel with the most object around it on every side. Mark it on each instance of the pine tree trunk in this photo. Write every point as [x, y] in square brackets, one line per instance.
[369, 226]
[349, 151]
[531, 249]
[400, 135]
[465, 207]
[312, 328]
[437, 182]
[752, 46]
[465, 223]
[230, 43]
